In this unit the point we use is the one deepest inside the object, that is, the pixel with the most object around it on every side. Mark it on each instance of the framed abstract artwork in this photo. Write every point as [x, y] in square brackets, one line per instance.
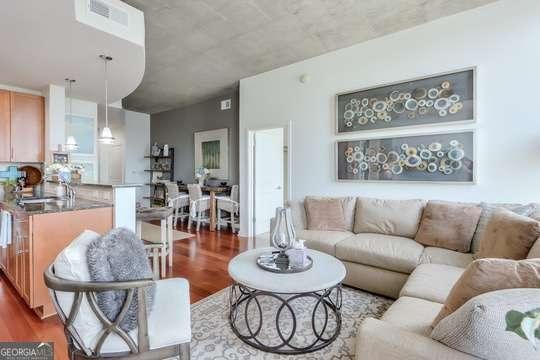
[436, 157]
[436, 99]
[212, 152]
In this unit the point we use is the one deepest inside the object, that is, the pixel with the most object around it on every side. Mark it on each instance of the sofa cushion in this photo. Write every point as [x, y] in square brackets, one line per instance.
[389, 217]
[324, 214]
[479, 326]
[448, 225]
[165, 323]
[431, 282]
[384, 251]
[534, 253]
[485, 275]
[508, 235]
[435, 255]
[324, 241]
[487, 213]
[412, 314]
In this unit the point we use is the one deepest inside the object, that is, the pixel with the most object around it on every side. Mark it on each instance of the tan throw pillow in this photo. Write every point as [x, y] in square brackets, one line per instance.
[508, 235]
[448, 225]
[389, 217]
[485, 275]
[534, 253]
[324, 214]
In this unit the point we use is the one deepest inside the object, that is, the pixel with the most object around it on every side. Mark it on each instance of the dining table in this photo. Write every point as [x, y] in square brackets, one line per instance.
[212, 190]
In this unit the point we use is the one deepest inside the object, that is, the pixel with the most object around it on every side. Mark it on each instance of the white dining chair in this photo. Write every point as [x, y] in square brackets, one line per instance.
[199, 206]
[177, 200]
[230, 205]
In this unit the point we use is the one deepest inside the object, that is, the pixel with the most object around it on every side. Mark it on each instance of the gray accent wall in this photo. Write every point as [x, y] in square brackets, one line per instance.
[176, 128]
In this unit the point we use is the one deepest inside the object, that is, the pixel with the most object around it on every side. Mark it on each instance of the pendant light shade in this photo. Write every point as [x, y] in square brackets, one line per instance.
[71, 143]
[106, 134]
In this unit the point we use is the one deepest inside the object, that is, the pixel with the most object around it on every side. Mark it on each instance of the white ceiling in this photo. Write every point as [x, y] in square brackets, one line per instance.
[42, 43]
[198, 49]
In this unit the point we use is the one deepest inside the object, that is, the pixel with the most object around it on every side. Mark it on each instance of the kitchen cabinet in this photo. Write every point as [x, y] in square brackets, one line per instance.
[5, 126]
[36, 241]
[22, 127]
[27, 127]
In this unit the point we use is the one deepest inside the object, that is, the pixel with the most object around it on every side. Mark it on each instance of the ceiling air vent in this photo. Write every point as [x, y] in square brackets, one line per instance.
[110, 12]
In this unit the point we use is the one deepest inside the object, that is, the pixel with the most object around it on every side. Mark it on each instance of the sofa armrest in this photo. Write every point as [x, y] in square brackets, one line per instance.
[379, 340]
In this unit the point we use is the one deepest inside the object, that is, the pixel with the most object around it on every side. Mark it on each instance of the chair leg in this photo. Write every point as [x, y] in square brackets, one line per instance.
[232, 221]
[185, 352]
[163, 262]
[189, 222]
[170, 222]
[155, 263]
[199, 221]
[218, 215]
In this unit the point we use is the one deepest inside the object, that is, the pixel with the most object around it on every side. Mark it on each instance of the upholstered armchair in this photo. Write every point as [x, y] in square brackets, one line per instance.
[164, 331]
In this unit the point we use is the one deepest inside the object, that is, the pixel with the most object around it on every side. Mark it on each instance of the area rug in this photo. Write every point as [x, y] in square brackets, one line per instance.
[151, 232]
[212, 337]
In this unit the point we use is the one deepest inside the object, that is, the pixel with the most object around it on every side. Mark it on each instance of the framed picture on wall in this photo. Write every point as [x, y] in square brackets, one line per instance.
[435, 157]
[435, 99]
[212, 152]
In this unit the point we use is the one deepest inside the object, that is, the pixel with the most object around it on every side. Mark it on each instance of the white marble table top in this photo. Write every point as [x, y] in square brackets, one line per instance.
[326, 272]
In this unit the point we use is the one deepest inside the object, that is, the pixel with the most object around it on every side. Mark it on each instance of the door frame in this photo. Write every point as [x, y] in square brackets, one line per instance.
[287, 175]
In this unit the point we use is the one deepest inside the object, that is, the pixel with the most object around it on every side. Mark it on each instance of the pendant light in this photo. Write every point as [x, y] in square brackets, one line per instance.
[106, 135]
[71, 143]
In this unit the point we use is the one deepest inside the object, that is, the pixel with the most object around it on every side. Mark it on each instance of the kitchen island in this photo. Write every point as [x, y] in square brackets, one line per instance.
[40, 231]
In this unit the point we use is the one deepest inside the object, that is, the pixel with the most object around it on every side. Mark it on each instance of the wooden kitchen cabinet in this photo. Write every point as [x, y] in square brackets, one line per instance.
[36, 241]
[5, 126]
[27, 127]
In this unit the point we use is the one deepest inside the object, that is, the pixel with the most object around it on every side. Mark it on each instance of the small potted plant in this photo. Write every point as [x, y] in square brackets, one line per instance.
[201, 174]
[525, 325]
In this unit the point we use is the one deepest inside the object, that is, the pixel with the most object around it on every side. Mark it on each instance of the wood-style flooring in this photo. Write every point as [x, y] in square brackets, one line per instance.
[202, 259]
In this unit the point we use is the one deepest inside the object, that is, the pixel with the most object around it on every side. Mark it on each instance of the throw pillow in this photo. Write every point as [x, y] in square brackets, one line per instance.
[71, 264]
[389, 217]
[448, 225]
[119, 255]
[485, 275]
[508, 235]
[324, 214]
[479, 326]
[534, 253]
[487, 213]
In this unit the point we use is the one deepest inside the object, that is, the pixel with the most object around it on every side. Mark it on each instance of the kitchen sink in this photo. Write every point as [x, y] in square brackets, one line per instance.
[39, 200]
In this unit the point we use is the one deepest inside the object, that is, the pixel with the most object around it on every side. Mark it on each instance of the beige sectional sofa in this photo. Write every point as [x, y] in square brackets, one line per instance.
[387, 260]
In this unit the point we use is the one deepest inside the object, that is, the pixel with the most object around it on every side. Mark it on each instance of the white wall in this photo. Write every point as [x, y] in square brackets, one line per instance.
[137, 135]
[501, 39]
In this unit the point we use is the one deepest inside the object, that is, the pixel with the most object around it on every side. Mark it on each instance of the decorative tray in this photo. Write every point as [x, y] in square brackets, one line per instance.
[270, 262]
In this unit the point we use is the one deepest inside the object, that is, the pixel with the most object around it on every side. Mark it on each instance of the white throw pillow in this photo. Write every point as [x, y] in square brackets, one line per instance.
[71, 264]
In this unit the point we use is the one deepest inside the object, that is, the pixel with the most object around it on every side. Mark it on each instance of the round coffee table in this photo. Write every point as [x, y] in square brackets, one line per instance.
[263, 301]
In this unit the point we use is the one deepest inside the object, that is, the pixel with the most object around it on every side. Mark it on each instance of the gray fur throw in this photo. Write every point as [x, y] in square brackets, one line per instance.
[119, 255]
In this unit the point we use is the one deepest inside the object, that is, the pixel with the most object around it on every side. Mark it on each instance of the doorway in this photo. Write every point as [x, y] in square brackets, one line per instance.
[269, 176]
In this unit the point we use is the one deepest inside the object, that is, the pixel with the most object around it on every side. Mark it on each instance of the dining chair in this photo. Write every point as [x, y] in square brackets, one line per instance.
[177, 200]
[199, 206]
[231, 205]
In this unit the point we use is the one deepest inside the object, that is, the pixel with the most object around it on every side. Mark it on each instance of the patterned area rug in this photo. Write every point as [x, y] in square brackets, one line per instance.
[212, 337]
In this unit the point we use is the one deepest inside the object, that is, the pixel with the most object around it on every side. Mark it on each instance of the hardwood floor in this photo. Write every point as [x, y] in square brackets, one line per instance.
[202, 259]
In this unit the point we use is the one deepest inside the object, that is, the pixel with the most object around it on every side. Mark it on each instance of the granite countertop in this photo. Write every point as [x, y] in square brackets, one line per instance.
[61, 205]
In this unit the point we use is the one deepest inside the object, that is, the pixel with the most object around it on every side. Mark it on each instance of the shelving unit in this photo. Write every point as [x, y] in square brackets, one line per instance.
[163, 166]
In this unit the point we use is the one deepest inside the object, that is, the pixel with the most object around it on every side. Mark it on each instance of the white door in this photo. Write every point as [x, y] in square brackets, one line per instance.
[269, 181]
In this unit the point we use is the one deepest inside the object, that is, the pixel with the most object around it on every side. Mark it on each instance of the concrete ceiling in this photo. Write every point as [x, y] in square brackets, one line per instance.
[197, 49]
